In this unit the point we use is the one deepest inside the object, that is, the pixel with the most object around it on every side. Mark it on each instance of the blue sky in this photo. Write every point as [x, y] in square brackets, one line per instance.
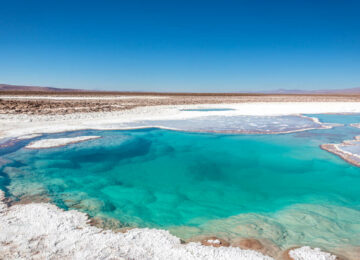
[197, 46]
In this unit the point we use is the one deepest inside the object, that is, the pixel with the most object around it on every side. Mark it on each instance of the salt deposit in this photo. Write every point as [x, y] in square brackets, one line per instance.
[48, 143]
[29, 136]
[349, 150]
[307, 253]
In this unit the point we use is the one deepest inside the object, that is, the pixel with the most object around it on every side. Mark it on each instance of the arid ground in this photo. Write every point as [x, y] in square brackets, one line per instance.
[30, 102]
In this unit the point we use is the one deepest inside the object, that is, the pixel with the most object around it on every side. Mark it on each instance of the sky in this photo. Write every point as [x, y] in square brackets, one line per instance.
[181, 46]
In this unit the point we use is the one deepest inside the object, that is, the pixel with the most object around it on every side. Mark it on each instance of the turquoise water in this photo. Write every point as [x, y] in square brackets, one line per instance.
[264, 186]
[340, 119]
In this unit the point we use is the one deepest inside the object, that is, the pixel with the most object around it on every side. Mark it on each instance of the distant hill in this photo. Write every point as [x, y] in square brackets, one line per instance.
[346, 91]
[7, 87]
[20, 88]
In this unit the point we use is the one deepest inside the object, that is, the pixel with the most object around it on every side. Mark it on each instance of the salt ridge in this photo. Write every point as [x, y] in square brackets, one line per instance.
[307, 253]
[56, 142]
[29, 136]
[339, 150]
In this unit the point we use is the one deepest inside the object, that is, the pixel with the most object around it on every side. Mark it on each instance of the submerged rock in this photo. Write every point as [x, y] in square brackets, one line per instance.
[264, 246]
[249, 243]
[108, 223]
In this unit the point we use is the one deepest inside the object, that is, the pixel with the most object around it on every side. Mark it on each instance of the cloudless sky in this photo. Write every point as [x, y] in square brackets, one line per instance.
[196, 46]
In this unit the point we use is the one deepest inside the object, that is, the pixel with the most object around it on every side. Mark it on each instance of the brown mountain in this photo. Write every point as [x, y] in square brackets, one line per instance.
[8, 87]
[20, 88]
[346, 91]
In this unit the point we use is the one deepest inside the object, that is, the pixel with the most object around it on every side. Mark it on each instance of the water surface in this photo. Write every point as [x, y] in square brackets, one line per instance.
[280, 187]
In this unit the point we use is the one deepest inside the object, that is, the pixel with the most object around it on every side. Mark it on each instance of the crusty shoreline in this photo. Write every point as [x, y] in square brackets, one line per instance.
[353, 159]
[15, 125]
[43, 230]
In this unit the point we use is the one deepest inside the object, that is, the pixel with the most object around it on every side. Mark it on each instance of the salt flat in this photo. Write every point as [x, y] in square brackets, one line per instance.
[14, 125]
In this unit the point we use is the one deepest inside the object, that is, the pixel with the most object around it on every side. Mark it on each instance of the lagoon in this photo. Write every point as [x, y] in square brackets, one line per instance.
[282, 188]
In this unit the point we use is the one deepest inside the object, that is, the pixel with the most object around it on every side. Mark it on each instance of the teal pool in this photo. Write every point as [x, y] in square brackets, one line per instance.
[275, 187]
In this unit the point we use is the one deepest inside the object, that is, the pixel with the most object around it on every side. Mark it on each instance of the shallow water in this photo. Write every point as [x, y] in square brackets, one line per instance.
[280, 187]
[231, 124]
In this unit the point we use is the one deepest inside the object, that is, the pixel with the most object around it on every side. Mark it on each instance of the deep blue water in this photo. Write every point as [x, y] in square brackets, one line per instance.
[265, 186]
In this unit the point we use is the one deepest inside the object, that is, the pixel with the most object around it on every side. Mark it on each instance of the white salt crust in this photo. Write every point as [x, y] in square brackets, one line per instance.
[357, 125]
[56, 142]
[212, 241]
[307, 253]
[29, 136]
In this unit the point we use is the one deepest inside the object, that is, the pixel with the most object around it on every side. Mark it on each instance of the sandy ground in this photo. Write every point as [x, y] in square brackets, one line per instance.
[66, 103]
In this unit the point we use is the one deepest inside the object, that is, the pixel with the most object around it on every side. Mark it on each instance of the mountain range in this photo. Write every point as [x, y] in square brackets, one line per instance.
[346, 91]
[8, 87]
